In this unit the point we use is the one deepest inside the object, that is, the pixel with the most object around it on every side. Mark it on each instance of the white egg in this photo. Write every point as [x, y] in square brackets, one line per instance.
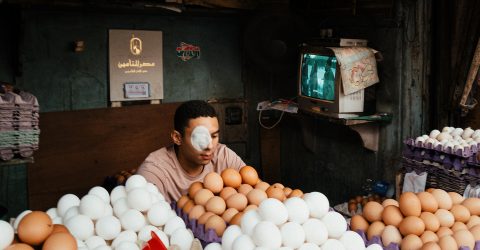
[446, 129]
[273, 210]
[65, 202]
[249, 220]
[425, 137]
[231, 233]
[309, 246]
[262, 248]
[285, 248]
[434, 133]
[352, 241]
[158, 214]
[72, 211]
[297, 209]
[83, 248]
[145, 234]
[173, 224]
[467, 133]
[103, 248]
[19, 218]
[292, 234]
[57, 220]
[7, 233]
[160, 196]
[335, 223]
[133, 220]
[317, 204]
[267, 234]
[127, 235]
[135, 181]
[101, 192]
[120, 206]
[139, 199]
[443, 136]
[374, 247]
[108, 227]
[81, 226]
[419, 140]
[213, 246]
[52, 212]
[315, 231]
[183, 238]
[163, 237]
[457, 131]
[117, 193]
[127, 245]
[243, 242]
[80, 243]
[332, 244]
[108, 210]
[92, 206]
[95, 241]
[150, 187]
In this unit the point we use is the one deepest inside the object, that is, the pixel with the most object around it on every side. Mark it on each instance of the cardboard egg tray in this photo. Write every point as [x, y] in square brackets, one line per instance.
[205, 236]
[458, 159]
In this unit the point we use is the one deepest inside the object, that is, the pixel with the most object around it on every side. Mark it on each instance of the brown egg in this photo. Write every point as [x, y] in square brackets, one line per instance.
[275, 192]
[428, 236]
[250, 207]
[375, 229]
[244, 189]
[213, 182]
[236, 219]
[391, 215]
[409, 204]
[57, 228]
[431, 246]
[249, 175]
[464, 238]
[456, 198]
[443, 231]
[196, 212]
[447, 242]
[352, 208]
[473, 221]
[457, 226]
[238, 201]
[19, 246]
[391, 234]
[358, 223]
[188, 206]
[473, 204]
[475, 232]
[228, 214]
[411, 242]
[296, 193]
[202, 196]
[431, 221]
[427, 202]
[287, 191]
[255, 196]
[430, 190]
[262, 185]
[227, 192]
[231, 178]
[278, 185]
[445, 217]
[372, 211]
[388, 202]
[216, 205]
[443, 199]
[60, 241]
[216, 223]
[460, 213]
[194, 187]
[411, 225]
[35, 227]
[182, 200]
[203, 219]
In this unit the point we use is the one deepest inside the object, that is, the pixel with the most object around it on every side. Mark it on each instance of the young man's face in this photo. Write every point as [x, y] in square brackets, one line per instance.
[188, 151]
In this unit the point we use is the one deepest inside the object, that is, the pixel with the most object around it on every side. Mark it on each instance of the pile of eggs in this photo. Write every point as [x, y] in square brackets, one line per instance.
[450, 138]
[226, 197]
[296, 223]
[434, 219]
[120, 220]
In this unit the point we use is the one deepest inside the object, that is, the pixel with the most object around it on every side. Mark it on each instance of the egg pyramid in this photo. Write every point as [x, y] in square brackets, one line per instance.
[434, 219]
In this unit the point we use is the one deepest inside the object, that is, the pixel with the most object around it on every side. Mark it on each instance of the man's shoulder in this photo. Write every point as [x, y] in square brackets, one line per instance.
[162, 155]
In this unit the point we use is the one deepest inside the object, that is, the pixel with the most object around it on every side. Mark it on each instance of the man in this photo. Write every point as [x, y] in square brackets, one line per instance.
[195, 152]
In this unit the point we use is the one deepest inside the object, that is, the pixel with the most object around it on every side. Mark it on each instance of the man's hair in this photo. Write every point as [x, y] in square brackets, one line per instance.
[191, 110]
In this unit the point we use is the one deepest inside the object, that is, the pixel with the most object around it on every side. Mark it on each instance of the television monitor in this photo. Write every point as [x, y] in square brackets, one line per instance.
[320, 84]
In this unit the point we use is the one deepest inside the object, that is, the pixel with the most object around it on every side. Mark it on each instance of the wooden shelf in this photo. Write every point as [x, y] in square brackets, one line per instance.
[16, 161]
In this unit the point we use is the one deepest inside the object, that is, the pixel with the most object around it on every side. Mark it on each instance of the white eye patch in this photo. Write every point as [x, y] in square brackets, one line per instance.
[201, 138]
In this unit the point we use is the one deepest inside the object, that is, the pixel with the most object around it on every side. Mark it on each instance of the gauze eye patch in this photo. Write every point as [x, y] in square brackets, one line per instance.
[201, 138]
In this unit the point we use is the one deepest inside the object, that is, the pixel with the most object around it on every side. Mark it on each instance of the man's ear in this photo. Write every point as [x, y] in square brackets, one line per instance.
[176, 137]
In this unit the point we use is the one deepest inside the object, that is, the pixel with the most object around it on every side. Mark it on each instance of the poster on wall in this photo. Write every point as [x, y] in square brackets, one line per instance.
[136, 65]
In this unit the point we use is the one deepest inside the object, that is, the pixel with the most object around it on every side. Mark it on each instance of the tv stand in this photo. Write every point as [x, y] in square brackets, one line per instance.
[366, 126]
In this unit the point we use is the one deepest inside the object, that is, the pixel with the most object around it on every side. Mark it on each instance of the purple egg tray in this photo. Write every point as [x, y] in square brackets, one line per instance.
[205, 236]
[395, 246]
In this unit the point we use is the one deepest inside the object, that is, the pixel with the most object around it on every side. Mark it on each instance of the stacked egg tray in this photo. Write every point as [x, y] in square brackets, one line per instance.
[205, 236]
[19, 125]
[438, 176]
[456, 159]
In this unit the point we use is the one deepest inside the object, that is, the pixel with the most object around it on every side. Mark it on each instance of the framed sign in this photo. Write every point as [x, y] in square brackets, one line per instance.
[136, 65]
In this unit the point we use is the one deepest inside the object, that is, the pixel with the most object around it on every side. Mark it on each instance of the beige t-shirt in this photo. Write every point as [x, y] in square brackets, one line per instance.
[163, 169]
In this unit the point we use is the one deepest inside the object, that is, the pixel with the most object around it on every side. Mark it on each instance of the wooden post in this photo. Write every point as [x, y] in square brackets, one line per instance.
[472, 73]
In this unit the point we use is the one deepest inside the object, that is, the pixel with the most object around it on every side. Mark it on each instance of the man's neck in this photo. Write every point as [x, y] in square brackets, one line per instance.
[191, 169]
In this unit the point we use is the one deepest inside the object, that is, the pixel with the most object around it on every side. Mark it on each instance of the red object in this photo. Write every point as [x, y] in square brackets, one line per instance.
[154, 243]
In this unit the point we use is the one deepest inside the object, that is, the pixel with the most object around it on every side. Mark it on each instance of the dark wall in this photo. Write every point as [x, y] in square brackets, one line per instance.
[8, 44]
